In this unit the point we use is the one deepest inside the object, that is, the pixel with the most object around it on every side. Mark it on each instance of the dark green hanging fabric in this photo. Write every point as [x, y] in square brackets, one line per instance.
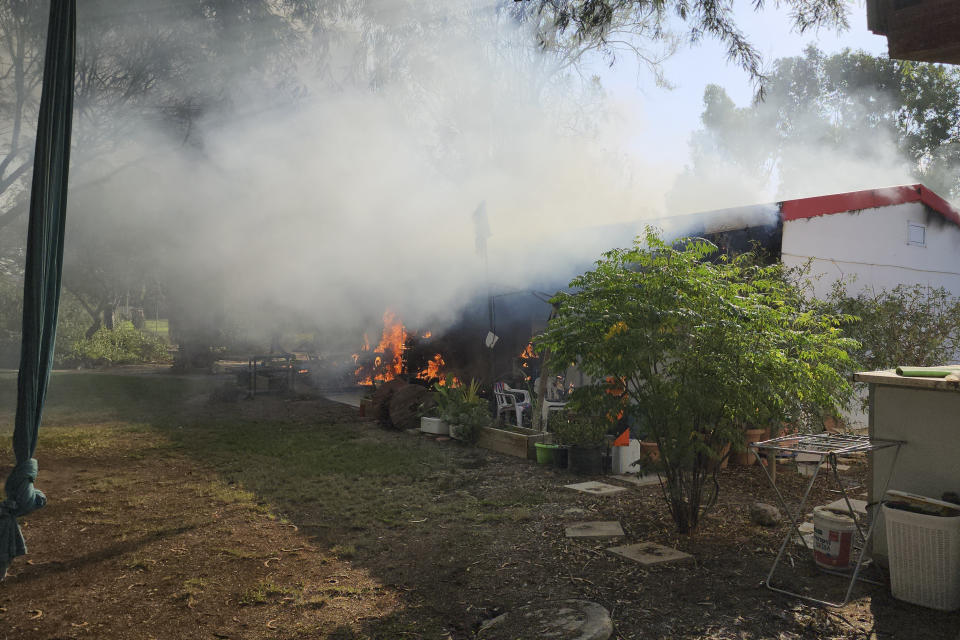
[44, 263]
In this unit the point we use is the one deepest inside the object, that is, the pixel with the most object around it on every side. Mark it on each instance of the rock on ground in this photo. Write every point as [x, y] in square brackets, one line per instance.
[765, 515]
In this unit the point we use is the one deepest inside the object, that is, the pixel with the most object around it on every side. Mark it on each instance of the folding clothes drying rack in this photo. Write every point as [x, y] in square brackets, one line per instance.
[828, 446]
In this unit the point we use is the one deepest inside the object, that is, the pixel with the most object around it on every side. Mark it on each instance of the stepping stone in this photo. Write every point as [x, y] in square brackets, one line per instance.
[640, 481]
[806, 537]
[596, 488]
[650, 553]
[602, 529]
[840, 506]
[561, 620]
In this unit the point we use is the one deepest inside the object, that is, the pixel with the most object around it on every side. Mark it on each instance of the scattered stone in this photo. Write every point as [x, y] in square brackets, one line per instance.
[601, 529]
[637, 479]
[765, 515]
[840, 506]
[561, 620]
[650, 553]
[574, 511]
[596, 488]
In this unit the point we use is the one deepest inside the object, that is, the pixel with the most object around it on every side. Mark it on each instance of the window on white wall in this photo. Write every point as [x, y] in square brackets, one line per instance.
[916, 234]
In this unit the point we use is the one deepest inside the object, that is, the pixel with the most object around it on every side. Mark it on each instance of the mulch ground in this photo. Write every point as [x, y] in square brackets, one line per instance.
[142, 541]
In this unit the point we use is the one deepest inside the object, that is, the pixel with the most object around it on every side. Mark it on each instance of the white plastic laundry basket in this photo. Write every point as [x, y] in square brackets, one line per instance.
[924, 555]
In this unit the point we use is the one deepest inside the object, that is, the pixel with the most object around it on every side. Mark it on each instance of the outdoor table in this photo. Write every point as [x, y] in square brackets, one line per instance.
[827, 446]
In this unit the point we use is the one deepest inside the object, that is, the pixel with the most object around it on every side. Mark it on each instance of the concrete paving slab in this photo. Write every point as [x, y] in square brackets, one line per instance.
[596, 488]
[562, 620]
[638, 480]
[599, 529]
[840, 506]
[650, 553]
[807, 537]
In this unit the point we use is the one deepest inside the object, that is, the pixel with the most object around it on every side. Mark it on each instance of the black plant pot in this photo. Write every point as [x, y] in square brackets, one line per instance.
[586, 462]
[560, 455]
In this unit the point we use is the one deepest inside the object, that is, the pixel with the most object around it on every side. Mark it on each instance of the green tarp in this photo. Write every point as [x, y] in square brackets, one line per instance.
[44, 262]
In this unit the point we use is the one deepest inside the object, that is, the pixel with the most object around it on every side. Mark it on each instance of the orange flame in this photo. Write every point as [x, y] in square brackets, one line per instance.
[388, 363]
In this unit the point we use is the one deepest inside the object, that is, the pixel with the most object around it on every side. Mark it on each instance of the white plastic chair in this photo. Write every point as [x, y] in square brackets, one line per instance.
[550, 404]
[507, 401]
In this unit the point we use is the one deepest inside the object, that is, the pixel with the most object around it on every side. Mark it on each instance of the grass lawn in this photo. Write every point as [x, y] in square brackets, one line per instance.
[159, 327]
[174, 517]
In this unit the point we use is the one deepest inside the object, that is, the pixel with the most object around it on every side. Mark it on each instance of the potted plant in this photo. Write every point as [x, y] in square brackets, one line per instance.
[585, 440]
[447, 405]
[468, 413]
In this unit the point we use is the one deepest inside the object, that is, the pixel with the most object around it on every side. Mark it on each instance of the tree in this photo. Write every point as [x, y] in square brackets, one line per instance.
[853, 108]
[602, 23]
[913, 325]
[692, 346]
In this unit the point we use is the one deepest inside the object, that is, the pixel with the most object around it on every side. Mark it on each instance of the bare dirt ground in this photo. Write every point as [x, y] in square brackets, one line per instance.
[294, 518]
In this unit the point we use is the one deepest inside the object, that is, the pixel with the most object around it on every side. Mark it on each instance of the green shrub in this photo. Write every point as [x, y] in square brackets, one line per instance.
[579, 431]
[123, 345]
[693, 345]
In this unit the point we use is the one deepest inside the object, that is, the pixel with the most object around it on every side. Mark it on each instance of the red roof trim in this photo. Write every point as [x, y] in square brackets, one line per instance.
[870, 199]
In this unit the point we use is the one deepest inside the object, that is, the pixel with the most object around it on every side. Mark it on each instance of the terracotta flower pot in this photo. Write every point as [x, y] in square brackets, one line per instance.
[747, 457]
[650, 451]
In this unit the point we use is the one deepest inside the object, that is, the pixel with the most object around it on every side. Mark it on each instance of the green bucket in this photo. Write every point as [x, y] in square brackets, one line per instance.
[544, 452]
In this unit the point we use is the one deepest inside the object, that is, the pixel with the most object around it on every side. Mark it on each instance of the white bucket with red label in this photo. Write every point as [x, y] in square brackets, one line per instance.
[832, 538]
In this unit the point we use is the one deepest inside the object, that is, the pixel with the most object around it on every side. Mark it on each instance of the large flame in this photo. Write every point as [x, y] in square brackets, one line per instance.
[388, 363]
[525, 356]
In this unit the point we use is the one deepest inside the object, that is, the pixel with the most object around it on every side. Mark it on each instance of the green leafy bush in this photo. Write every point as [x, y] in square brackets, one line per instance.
[577, 430]
[693, 345]
[123, 345]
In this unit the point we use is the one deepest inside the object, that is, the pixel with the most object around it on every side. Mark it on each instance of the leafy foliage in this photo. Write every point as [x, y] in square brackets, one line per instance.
[912, 325]
[577, 430]
[851, 104]
[693, 349]
[71, 323]
[123, 345]
[463, 406]
[602, 21]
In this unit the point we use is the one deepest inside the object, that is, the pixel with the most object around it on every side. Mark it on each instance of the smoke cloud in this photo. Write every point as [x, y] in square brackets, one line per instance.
[351, 196]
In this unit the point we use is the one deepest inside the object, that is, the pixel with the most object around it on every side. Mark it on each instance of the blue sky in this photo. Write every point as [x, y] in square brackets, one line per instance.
[665, 118]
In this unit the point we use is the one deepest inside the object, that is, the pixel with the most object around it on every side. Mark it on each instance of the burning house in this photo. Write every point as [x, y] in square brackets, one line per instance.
[872, 239]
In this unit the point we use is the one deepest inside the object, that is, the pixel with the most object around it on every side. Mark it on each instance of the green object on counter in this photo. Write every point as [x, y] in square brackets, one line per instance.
[927, 372]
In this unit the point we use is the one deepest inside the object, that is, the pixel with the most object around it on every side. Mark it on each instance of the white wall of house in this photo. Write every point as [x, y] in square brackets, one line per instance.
[875, 249]
[872, 248]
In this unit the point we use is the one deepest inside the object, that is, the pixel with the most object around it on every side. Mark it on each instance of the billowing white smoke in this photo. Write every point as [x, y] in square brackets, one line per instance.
[350, 199]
